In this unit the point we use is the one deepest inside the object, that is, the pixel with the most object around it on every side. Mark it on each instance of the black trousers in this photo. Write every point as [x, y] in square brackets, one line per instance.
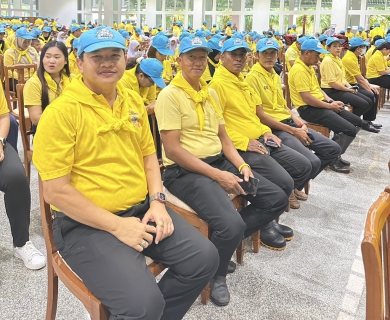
[382, 81]
[343, 122]
[118, 275]
[360, 103]
[325, 150]
[370, 115]
[17, 197]
[211, 202]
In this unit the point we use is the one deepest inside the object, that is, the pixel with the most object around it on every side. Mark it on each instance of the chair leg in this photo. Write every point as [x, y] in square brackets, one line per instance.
[240, 252]
[256, 241]
[205, 295]
[307, 187]
[52, 293]
[27, 167]
[99, 312]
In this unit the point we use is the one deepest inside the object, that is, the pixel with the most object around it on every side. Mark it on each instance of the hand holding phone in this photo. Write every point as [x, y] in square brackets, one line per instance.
[251, 186]
[271, 143]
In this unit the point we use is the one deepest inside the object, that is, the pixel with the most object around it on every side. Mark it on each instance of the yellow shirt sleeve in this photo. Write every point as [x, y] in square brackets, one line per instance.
[290, 55]
[32, 92]
[330, 72]
[377, 63]
[3, 104]
[351, 65]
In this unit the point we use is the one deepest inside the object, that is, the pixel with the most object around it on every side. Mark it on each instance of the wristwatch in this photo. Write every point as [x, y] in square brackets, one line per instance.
[159, 196]
[3, 141]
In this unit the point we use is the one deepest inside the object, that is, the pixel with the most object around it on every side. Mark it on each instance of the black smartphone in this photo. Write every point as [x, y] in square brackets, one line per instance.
[250, 187]
[310, 136]
[355, 87]
[271, 143]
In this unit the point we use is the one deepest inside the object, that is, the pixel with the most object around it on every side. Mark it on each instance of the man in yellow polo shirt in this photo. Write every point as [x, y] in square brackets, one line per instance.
[315, 106]
[75, 33]
[203, 165]
[361, 34]
[103, 182]
[293, 52]
[377, 31]
[349, 34]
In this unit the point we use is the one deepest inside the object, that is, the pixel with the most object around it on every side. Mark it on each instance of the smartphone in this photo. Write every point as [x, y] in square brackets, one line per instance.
[310, 136]
[250, 187]
[271, 143]
[355, 87]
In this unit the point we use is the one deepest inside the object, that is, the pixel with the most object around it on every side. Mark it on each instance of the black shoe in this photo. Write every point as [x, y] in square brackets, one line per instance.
[283, 230]
[272, 239]
[337, 166]
[231, 267]
[369, 127]
[219, 293]
[375, 125]
[345, 162]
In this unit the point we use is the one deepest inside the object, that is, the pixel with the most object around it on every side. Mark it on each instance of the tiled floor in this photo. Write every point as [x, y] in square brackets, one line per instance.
[319, 276]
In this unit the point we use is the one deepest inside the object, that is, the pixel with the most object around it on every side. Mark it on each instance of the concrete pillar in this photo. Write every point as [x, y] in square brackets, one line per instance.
[262, 7]
[65, 11]
[198, 14]
[151, 13]
[339, 14]
[237, 19]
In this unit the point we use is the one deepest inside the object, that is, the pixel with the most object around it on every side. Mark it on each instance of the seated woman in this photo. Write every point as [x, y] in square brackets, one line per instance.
[20, 52]
[17, 198]
[334, 84]
[377, 69]
[49, 81]
[354, 77]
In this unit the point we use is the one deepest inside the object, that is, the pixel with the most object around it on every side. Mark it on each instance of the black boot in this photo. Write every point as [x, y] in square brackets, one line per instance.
[345, 162]
[337, 166]
[376, 125]
[231, 267]
[283, 230]
[272, 239]
[344, 141]
[369, 127]
[219, 293]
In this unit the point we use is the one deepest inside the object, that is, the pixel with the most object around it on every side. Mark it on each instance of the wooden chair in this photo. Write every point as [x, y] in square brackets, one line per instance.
[320, 129]
[57, 268]
[25, 131]
[363, 67]
[376, 259]
[11, 95]
[2, 70]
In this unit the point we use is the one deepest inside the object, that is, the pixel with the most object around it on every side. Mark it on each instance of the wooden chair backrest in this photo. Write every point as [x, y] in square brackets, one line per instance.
[2, 68]
[363, 67]
[20, 70]
[376, 258]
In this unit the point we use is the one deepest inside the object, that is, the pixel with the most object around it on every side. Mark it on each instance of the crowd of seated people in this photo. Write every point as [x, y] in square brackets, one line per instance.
[224, 123]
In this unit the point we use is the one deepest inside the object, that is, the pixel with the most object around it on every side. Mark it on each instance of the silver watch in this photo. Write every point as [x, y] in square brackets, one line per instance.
[3, 141]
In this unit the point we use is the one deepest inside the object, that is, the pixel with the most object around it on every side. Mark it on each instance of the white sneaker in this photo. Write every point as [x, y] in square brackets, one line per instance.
[31, 256]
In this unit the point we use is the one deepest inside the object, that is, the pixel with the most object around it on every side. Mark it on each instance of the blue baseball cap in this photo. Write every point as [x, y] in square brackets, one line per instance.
[179, 23]
[124, 33]
[333, 39]
[234, 44]
[46, 29]
[138, 30]
[214, 24]
[23, 33]
[2, 30]
[154, 69]
[74, 28]
[360, 28]
[73, 20]
[313, 45]
[342, 32]
[277, 33]
[192, 43]
[45, 22]
[377, 24]
[204, 22]
[184, 34]
[99, 38]
[322, 37]
[36, 32]
[357, 42]
[162, 45]
[15, 27]
[207, 33]
[215, 43]
[379, 42]
[76, 43]
[303, 39]
[229, 23]
[349, 27]
[190, 25]
[294, 25]
[267, 43]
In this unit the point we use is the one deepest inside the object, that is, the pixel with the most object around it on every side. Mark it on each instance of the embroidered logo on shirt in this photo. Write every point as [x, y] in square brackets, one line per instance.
[104, 34]
[134, 118]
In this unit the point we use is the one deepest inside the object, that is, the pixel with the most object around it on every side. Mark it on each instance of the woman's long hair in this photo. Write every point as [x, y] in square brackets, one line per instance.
[41, 69]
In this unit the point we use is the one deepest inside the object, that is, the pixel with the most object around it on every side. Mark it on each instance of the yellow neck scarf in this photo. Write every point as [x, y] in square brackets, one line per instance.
[272, 82]
[199, 97]
[215, 65]
[53, 86]
[21, 54]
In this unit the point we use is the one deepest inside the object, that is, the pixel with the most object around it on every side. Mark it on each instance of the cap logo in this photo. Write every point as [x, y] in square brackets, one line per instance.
[269, 42]
[220, 43]
[196, 41]
[237, 42]
[104, 34]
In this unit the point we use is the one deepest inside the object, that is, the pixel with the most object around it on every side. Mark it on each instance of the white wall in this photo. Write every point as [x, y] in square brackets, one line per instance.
[64, 10]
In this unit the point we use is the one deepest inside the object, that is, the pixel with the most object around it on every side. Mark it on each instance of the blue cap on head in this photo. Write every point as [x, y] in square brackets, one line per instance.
[322, 37]
[342, 32]
[215, 43]
[192, 43]
[76, 43]
[204, 22]
[138, 30]
[74, 28]
[184, 34]
[36, 32]
[267, 43]
[258, 36]
[73, 20]
[179, 23]
[360, 28]
[313, 45]
[199, 33]
[207, 33]
[303, 39]
[377, 24]
[234, 44]
[229, 23]
[45, 22]
[99, 38]
[190, 25]
[277, 33]
[294, 25]
[349, 27]
[2, 30]
[160, 25]
[357, 42]
[128, 20]
[154, 69]
[46, 29]
[15, 27]
[125, 34]
[23, 33]
[238, 35]
[83, 22]
[379, 42]
[162, 45]
[333, 39]
[214, 25]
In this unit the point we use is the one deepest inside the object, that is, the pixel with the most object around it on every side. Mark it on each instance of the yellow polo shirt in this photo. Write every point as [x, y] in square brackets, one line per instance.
[351, 65]
[5, 46]
[228, 31]
[349, 35]
[101, 147]
[377, 63]
[303, 79]
[3, 104]
[129, 28]
[331, 71]
[68, 40]
[73, 64]
[238, 101]
[134, 37]
[175, 110]
[292, 53]
[361, 34]
[377, 31]
[369, 53]
[130, 81]
[269, 88]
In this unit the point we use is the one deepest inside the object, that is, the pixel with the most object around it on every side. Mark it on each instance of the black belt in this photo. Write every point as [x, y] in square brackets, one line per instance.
[57, 214]
[287, 121]
[300, 109]
[209, 160]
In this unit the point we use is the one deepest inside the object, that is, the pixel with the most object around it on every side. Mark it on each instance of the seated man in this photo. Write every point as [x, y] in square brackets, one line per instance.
[102, 158]
[291, 129]
[316, 107]
[293, 52]
[246, 130]
[203, 165]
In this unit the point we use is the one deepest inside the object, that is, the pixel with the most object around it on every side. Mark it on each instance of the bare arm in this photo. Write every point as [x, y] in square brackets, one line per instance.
[316, 103]
[4, 129]
[35, 113]
[340, 87]
[271, 122]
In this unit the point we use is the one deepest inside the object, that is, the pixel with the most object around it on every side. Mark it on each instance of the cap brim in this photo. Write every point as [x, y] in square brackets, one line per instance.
[321, 50]
[159, 82]
[235, 48]
[165, 52]
[197, 47]
[27, 37]
[102, 45]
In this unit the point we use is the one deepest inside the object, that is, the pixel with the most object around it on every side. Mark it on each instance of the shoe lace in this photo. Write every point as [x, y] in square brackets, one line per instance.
[30, 250]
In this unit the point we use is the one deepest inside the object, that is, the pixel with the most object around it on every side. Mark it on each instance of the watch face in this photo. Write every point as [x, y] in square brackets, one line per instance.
[162, 196]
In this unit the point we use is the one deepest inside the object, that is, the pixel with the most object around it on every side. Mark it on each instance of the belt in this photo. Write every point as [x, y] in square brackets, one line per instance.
[300, 109]
[287, 121]
[57, 214]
